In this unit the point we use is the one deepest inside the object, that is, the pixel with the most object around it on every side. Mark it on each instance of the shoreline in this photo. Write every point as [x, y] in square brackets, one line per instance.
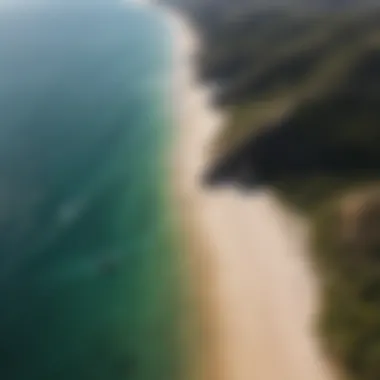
[202, 362]
[245, 256]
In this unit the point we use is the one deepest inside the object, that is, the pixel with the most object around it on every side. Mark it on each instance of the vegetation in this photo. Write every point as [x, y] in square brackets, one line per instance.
[301, 81]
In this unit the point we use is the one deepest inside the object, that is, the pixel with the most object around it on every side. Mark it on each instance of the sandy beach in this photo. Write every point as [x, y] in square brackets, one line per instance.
[255, 290]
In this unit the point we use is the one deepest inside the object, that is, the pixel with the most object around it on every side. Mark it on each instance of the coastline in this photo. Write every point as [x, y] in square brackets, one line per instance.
[189, 96]
[254, 290]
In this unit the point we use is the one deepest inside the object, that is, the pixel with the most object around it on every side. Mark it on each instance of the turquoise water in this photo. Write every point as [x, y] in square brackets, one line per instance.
[87, 280]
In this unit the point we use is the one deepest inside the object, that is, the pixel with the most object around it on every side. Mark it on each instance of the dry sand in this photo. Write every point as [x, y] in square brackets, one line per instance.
[261, 293]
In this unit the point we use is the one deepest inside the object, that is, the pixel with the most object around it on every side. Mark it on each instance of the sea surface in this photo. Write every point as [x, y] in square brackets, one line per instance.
[88, 284]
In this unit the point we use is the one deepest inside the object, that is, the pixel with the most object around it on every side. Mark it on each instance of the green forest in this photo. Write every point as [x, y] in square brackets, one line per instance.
[301, 83]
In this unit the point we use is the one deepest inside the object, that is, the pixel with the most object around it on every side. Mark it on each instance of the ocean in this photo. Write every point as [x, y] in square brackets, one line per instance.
[88, 280]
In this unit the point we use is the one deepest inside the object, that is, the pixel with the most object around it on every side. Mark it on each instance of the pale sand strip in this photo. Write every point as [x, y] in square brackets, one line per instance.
[260, 292]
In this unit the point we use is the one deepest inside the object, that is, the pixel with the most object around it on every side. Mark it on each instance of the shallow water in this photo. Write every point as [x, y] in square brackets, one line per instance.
[86, 274]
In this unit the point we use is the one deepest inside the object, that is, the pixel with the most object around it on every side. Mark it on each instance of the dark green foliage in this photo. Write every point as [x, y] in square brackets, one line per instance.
[350, 318]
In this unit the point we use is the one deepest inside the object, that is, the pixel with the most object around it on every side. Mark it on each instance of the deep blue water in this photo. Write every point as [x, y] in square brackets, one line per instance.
[86, 274]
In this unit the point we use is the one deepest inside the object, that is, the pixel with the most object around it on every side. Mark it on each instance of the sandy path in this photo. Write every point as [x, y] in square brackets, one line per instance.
[262, 292]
